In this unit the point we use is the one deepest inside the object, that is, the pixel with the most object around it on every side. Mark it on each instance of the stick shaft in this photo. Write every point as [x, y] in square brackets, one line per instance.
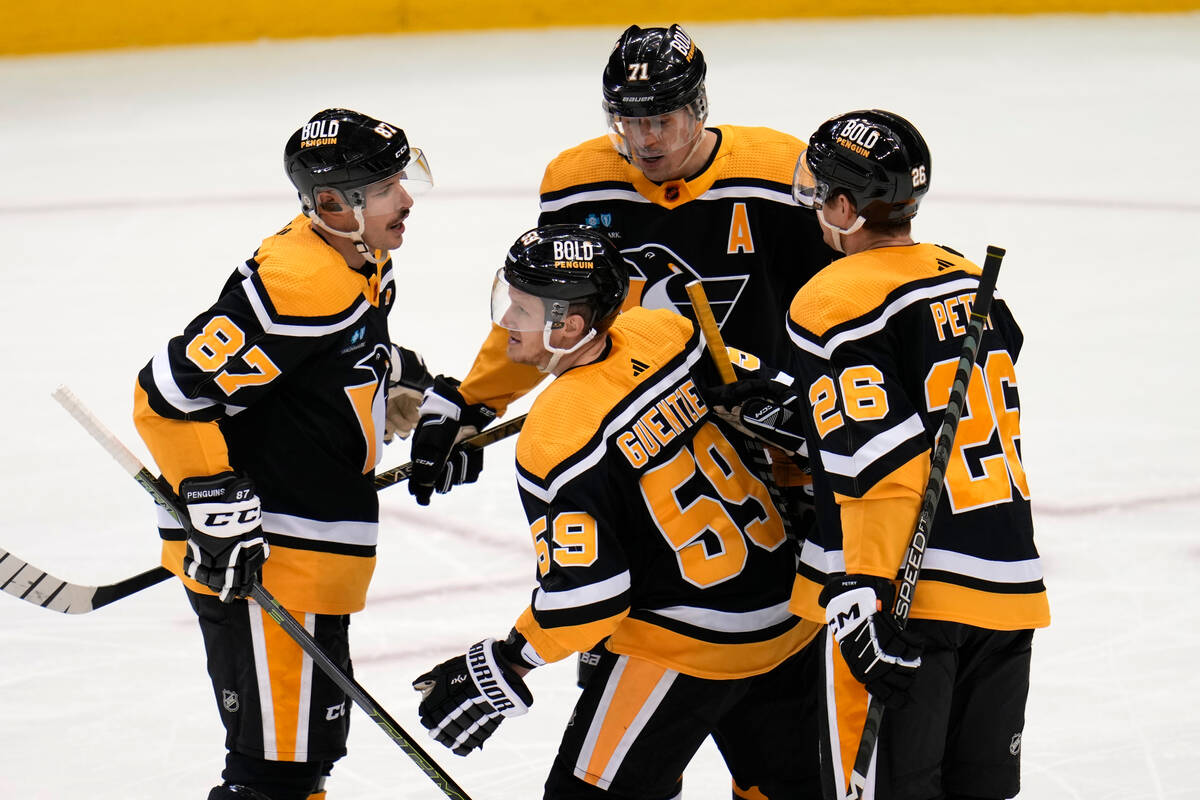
[163, 495]
[914, 556]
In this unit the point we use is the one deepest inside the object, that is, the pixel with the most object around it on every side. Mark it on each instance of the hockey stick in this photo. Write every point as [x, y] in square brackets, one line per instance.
[915, 555]
[164, 496]
[494, 434]
[719, 353]
[36, 586]
[33, 585]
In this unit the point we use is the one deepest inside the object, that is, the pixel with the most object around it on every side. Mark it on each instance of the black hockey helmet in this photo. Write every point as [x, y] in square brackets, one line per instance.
[654, 71]
[344, 150]
[876, 157]
[564, 265]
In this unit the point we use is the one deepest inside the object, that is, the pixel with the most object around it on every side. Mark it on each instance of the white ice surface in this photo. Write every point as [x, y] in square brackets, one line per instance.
[135, 181]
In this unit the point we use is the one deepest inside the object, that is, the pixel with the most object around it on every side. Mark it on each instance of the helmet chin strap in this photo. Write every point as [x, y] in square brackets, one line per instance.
[838, 232]
[354, 236]
[559, 352]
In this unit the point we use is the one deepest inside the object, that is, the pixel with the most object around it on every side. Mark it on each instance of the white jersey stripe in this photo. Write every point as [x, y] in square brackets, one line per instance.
[880, 445]
[282, 329]
[875, 325]
[727, 621]
[164, 381]
[345, 532]
[1026, 571]
[594, 196]
[583, 596]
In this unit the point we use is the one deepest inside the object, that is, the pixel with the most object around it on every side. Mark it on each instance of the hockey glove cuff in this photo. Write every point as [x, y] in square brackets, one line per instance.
[880, 655]
[407, 381]
[445, 419]
[465, 699]
[761, 408]
[225, 543]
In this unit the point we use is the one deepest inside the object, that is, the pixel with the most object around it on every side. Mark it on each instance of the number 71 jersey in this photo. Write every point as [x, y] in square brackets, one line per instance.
[877, 338]
[648, 527]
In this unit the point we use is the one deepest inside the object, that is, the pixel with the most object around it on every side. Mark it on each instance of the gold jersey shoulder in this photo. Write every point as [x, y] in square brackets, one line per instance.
[304, 276]
[594, 161]
[855, 285]
[755, 153]
[567, 414]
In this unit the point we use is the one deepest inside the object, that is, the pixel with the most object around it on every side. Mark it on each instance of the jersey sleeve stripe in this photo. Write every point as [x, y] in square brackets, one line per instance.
[582, 596]
[164, 382]
[878, 447]
[257, 297]
[823, 346]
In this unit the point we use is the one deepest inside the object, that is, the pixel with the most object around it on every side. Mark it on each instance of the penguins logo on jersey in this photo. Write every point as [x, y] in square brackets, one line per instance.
[664, 275]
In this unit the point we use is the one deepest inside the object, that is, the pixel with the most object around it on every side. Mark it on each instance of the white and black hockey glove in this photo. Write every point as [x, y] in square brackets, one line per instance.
[446, 419]
[465, 699]
[880, 655]
[225, 543]
[761, 408]
[407, 381]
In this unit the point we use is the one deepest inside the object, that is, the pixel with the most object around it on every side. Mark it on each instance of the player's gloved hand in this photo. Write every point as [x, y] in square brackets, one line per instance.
[406, 385]
[880, 655]
[465, 699]
[225, 543]
[446, 419]
[761, 408]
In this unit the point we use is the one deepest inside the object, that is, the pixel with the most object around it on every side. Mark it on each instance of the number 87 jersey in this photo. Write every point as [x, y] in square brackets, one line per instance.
[877, 337]
[648, 527]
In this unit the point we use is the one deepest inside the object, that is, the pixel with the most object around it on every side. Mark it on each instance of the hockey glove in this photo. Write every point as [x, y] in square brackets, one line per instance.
[225, 543]
[761, 408]
[406, 385]
[879, 654]
[465, 699]
[446, 419]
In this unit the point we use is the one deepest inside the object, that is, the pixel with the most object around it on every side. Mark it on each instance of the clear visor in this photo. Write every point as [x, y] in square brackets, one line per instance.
[382, 197]
[648, 137]
[515, 310]
[806, 189]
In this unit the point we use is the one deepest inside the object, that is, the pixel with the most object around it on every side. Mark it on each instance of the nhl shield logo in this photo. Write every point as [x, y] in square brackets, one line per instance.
[229, 699]
[1014, 746]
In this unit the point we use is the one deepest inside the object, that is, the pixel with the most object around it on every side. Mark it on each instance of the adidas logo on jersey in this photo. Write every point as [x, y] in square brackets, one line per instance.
[638, 367]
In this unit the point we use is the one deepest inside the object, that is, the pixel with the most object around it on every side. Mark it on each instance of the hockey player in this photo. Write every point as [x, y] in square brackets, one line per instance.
[267, 415]
[877, 338]
[682, 201]
[649, 529]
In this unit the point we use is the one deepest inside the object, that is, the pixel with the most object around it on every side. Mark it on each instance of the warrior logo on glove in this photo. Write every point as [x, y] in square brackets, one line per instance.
[463, 700]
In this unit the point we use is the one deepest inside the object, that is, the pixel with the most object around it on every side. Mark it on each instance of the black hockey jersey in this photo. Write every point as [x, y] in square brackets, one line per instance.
[284, 379]
[734, 226]
[877, 340]
[648, 527]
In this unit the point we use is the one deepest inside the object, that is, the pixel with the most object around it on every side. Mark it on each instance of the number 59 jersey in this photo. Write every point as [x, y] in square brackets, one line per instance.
[877, 337]
[648, 527]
